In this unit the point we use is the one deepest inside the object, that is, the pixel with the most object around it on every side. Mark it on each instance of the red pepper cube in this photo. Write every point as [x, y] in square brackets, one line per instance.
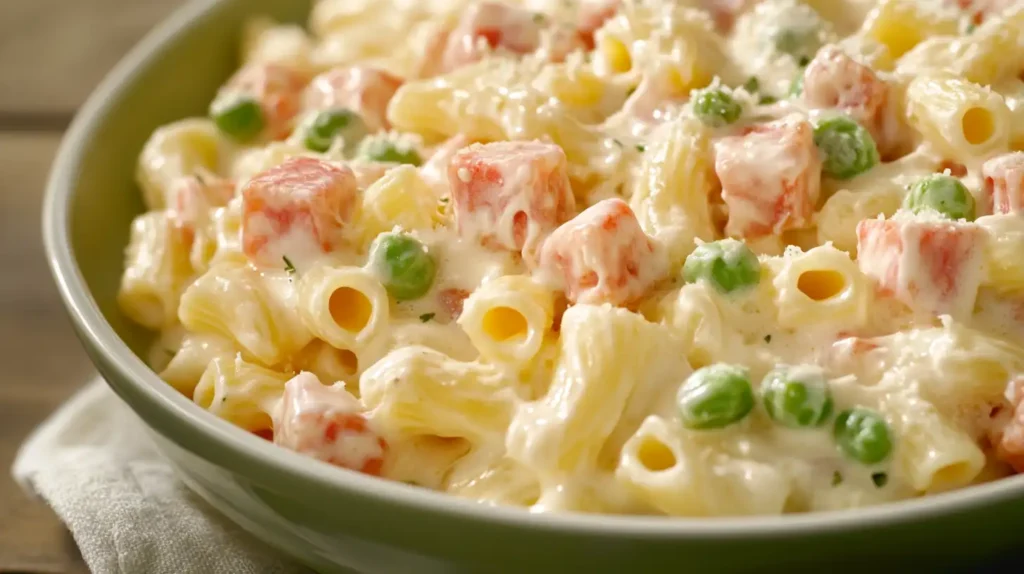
[932, 265]
[1004, 183]
[771, 177]
[510, 195]
[362, 89]
[277, 89]
[603, 256]
[298, 209]
[325, 422]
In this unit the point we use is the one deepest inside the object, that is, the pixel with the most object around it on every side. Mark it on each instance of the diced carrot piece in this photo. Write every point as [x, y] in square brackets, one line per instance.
[503, 28]
[771, 177]
[297, 209]
[325, 422]
[1004, 183]
[510, 195]
[603, 256]
[277, 88]
[362, 89]
[835, 80]
[931, 265]
[452, 301]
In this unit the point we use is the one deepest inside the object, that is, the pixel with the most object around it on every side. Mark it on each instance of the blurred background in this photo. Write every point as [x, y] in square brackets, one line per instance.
[52, 54]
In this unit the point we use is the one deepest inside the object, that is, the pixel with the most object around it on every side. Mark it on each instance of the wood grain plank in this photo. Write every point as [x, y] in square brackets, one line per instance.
[53, 52]
[44, 362]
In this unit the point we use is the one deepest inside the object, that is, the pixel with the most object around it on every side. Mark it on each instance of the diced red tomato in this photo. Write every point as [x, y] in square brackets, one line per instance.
[362, 89]
[592, 15]
[326, 423]
[277, 88]
[835, 80]
[771, 177]
[932, 266]
[510, 195]
[503, 28]
[1004, 183]
[299, 207]
[452, 301]
[192, 199]
[603, 256]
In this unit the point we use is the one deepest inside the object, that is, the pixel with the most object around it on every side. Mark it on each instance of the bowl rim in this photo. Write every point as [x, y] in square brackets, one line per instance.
[97, 333]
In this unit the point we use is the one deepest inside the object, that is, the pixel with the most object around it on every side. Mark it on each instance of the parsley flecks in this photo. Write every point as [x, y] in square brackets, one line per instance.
[630, 91]
[288, 265]
[539, 18]
[641, 148]
[445, 200]
[768, 338]
[804, 60]
[617, 142]
[880, 479]
[426, 317]
[837, 478]
[752, 85]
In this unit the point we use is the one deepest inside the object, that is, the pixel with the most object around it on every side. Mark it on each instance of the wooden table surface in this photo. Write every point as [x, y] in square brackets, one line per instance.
[52, 54]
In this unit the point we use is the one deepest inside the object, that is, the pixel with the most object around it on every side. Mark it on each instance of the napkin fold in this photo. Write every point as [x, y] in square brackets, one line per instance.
[95, 465]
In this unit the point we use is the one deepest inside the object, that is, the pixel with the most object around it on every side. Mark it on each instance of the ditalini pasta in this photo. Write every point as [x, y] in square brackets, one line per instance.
[697, 258]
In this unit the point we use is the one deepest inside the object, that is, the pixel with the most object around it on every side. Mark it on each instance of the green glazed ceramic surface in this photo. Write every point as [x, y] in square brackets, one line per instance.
[336, 520]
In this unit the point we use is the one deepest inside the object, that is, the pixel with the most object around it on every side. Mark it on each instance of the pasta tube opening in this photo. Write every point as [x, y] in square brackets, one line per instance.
[350, 309]
[655, 455]
[821, 284]
[505, 323]
[978, 125]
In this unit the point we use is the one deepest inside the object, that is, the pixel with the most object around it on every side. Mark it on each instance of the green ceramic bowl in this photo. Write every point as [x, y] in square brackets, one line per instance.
[336, 520]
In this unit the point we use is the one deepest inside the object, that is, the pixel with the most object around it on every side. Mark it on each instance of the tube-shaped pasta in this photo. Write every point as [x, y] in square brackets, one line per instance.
[398, 199]
[675, 476]
[423, 460]
[252, 309]
[606, 352]
[843, 210]
[931, 455]
[507, 318]
[671, 199]
[960, 118]
[345, 306]
[328, 363]
[157, 268]
[419, 391]
[242, 393]
[227, 228]
[176, 150]
[899, 25]
[191, 360]
[822, 285]
[1004, 267]
[487, 476]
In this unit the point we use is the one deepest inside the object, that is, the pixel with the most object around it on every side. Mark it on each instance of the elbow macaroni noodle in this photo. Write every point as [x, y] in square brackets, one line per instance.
[624, 256]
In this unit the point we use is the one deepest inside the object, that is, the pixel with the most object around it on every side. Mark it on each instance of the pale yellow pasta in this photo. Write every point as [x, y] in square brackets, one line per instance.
[176, 150]
[345, 306]
[1004, 266]
[960, 118]
[822, 285]
[157, 268]
[419, 391]
[399, 199]
[489, 477]
[671, 200]
[843, 210]
[227, 232]
[932, 454]
[423, 460]
[243, 393]
[265, 41]
[899, 25]
[507, 318]
[605, 354]
[190, 361]
[671, 474]
[329, 364]
[252, 309]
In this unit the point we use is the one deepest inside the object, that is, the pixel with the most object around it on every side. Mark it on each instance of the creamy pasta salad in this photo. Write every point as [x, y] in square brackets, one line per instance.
[692, 258]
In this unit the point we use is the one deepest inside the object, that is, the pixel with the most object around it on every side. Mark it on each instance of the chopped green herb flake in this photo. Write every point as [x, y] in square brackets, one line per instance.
[767, 338]
[766, 100]
[539, 18]
[426, 317]
[444, 200]
[880, 479]
[752, 85]
[288, 265]
[617, 142]
[641, 148]
[630, 91]
[804, 60]
[837, 478]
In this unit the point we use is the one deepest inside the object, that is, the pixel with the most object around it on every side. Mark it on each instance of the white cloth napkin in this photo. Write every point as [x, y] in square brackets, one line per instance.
[93, 463]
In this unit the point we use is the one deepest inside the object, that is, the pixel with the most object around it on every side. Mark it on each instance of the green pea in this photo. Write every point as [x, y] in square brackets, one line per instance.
[379, 149]
[728, 265]
[796, 88]
[240, 117]
[800, 42]
[797, 397]
[863, 435]
[943, 193]
[329, 125]
[848, 147]
[716, 107]
[715, 397]
[405, 266]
